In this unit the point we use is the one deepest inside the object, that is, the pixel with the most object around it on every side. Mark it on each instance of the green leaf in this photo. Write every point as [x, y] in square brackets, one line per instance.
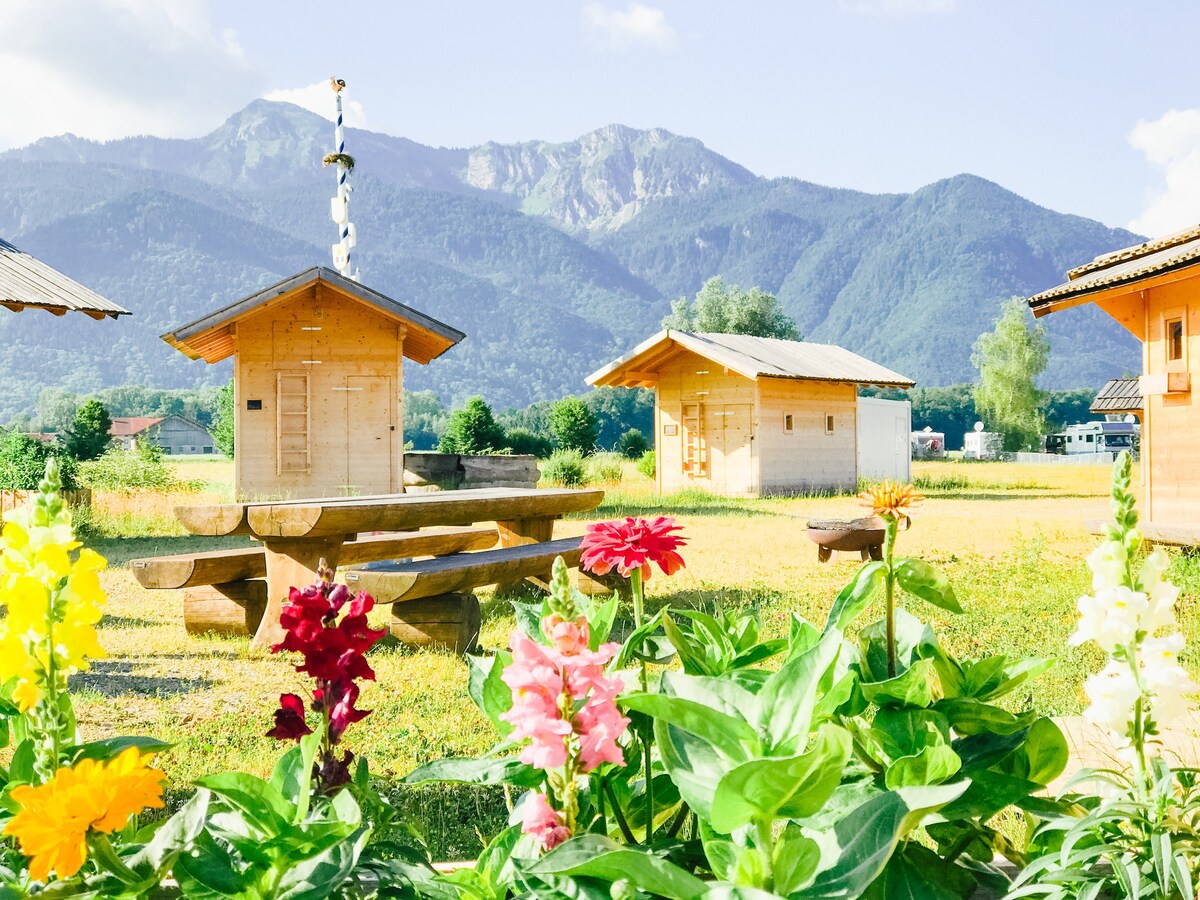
[529, 618]
[207, 871]
[907, 731]
[728, 735]
[1042, 757]
[483, 770]
[719, 850]
[917, 873]
[20, 768]
[172, 837]
[788, 787]
[690, 653]
[693, 764]
[263, 805]
[787, 699]
[600, 621]
[920, 578]
[917, 686]
[110, 748]
[855, 851]
[856, 595]
[487, 689]
[794, 860]
[599, 857]
[932, 765]
[970, 716]
[319, 876]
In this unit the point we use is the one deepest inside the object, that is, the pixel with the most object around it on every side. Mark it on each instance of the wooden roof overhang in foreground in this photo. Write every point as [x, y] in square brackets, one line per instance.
[751, 357]
[28, 283]
[1119, 396]
[1115, 281]
[211, 337]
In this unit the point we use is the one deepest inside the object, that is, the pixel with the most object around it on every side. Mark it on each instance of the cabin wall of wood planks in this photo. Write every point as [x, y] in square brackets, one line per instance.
[725, 433]
[319, 381]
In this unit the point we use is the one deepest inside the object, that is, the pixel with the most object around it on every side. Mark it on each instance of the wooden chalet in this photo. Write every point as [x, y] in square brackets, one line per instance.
[1153, 290]
[318, 374]
[744, 416]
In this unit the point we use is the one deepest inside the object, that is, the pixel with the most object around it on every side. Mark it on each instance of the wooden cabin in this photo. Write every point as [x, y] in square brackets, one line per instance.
[318, 374]
[1153, 290]
[746, 416]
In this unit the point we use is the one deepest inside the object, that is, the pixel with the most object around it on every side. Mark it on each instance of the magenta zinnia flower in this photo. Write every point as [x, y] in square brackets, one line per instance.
[632, 545]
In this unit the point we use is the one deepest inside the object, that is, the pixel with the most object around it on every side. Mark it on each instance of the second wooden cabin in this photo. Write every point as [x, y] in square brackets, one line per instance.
[318, 375]
[744, 416]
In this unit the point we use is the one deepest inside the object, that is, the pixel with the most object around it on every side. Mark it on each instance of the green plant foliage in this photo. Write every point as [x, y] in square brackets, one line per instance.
[633, 444]
[730, 310]
[142, 468]
[573, 425]
[23, 461]
[605, 468]
[223, 420]
[89, 435]
[646, 464]
[472, 430]
[1010, 358]
[565, 468]
[425, 419]
[524, 441]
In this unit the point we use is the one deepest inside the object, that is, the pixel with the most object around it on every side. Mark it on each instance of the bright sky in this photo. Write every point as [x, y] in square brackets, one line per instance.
[1085, 106]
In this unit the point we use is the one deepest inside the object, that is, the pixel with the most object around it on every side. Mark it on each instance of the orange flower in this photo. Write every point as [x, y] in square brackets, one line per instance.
[55, 817]
[888, 498]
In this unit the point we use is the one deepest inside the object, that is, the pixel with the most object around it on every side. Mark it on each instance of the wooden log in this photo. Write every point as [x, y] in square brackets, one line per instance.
[235, 608]
[591, 585]
[464, 571]
[518, 532]
[445, 622]
[220, 566]
[290, 563]
[416, 511]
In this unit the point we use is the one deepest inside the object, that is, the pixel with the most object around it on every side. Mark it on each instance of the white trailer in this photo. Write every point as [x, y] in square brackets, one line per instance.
[883, 439]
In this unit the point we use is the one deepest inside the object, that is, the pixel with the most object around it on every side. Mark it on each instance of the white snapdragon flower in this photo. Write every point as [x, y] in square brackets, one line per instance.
[1112, 693]
[1160, 593]
[1166, 681]
[1111, 618]
[1107, 563]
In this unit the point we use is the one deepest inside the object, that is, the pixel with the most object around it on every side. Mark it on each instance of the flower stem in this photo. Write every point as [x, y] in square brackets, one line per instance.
[637, 588]
[763, 838]
[889, 546]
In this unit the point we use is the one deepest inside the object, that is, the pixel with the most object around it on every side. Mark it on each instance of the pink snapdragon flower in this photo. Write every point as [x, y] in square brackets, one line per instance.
[543, 822]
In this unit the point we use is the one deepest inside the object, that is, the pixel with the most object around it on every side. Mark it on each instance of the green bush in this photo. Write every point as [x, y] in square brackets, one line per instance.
[472, 430]
[524, 441]
[565, 468]
[605, 468]
[23, 462]
[222, 426]
[645, 465]
[573, 425]
[142, 468]
[90, 435]
[633, 444]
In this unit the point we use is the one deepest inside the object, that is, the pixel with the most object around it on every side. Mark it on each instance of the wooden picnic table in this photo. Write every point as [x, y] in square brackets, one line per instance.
[297, 534]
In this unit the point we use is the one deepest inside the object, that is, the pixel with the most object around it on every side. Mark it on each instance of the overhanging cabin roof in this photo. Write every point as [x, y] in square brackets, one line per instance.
[753, 357]
[26, 282]
[211, 337]
[1121, 269]
[1121, 395]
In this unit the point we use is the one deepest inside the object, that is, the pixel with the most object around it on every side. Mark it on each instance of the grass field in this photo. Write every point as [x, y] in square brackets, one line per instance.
[1011, 537]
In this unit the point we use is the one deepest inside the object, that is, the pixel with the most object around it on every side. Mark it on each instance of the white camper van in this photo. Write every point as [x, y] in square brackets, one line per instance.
[1100, 437]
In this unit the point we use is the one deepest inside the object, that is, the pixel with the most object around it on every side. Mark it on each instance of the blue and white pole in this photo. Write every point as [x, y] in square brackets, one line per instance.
[341, 203]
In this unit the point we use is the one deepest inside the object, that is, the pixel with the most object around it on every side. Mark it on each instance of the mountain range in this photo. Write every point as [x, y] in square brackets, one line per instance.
[554, 258]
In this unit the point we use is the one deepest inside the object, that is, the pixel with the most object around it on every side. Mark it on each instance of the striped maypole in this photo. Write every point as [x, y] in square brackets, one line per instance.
[341, 203]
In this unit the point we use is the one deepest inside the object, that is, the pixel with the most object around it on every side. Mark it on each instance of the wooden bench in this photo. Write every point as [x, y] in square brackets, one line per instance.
[223, 590]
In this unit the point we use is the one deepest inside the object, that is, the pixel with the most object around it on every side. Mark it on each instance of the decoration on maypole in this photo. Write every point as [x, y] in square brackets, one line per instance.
[339, 206]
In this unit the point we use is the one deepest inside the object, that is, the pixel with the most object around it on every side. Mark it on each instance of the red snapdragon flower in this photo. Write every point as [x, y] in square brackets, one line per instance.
[632, 545]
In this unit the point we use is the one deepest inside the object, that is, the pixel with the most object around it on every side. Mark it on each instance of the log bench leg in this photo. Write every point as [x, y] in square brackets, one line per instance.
[234, 608]
[602, 585]
[446, 622]
[517, 533]
[290, 563]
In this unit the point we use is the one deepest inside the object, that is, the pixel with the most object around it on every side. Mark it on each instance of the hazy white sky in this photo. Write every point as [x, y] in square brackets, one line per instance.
[1086, 107]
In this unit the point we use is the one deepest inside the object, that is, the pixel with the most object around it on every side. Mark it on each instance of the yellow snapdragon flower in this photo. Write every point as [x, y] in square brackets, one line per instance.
[54, 818]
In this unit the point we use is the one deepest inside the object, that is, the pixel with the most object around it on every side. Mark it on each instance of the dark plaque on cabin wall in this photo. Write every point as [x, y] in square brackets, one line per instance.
[253, 404]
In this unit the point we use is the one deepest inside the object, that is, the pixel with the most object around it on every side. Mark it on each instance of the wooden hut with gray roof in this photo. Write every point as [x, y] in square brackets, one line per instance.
[745, 416]
[28, 283]
[318, 375]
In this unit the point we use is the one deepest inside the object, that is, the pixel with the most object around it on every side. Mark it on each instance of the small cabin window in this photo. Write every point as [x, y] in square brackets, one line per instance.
[1091, 439]
[787, 423]
[829, 424]
[1174, 329]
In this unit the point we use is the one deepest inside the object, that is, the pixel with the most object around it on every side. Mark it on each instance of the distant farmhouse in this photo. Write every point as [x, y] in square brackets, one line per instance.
[746, 416]
[176, 435]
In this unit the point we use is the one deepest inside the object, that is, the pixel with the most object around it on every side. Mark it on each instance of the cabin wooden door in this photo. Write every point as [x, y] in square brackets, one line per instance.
[370, 434]
[730, 429]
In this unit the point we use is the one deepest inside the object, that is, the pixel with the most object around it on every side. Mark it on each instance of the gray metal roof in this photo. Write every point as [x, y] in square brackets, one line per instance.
[758, 357]
[1119, 395]
[1145, 260]
[29, 282]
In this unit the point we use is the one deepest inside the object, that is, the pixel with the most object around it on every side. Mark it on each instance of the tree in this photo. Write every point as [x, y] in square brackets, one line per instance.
[91, 433]
[472, 430]
[573, 425]
[730, 310]
[56, 409]
[1009, 359]
[222, 426]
